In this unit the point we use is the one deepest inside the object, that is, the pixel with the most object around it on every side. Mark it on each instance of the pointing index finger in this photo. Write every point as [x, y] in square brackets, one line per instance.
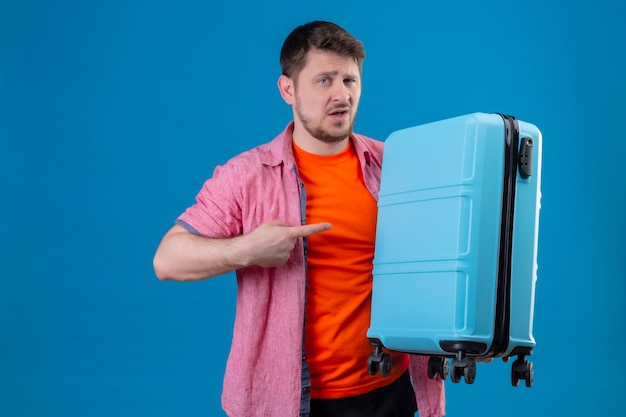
[309, 229]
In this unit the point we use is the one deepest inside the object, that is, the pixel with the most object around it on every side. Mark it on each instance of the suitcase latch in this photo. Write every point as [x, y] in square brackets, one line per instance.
[526, 157]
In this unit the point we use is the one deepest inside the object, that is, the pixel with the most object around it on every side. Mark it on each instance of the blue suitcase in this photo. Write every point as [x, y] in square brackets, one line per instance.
[455, 264]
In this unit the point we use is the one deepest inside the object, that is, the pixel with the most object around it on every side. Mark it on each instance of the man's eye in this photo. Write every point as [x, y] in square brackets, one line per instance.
[323, 80]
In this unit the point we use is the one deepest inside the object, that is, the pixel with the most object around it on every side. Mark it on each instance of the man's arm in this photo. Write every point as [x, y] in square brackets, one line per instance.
[184, 256]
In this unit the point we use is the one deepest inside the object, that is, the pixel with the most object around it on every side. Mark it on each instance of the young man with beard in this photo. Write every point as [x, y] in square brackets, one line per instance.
[296, 219]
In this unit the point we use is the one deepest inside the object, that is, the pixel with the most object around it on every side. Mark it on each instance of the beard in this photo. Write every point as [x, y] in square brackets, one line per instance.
[319, 133]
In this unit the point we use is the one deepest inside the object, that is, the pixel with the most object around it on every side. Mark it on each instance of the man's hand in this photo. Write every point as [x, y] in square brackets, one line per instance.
[184, 256]
[270, 245]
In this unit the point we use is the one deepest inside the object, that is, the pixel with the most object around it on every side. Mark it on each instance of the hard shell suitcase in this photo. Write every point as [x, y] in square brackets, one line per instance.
[456, 245]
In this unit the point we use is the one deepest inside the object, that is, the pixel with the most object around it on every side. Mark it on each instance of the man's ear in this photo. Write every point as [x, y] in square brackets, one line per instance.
[286, 88]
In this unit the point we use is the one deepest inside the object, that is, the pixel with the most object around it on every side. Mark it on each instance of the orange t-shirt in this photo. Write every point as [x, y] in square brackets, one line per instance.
[339, 276]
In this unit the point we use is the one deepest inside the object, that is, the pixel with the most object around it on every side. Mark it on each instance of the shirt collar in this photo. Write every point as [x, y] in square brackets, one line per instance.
[280, 150]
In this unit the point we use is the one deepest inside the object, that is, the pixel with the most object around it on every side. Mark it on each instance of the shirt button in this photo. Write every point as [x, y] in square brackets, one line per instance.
[306, 389]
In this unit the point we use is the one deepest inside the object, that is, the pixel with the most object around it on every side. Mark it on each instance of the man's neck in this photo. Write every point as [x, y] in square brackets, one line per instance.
[310, 144]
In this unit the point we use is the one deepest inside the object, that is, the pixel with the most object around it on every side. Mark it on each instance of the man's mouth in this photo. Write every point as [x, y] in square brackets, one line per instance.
[339, 113]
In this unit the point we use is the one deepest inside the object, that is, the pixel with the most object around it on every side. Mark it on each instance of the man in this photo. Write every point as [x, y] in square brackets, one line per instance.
[296, 218]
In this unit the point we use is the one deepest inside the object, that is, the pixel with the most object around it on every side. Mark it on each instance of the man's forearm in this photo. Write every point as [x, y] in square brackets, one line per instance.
[183, 256]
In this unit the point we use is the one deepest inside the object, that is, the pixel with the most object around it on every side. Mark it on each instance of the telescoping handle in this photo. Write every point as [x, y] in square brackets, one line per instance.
[526, 157]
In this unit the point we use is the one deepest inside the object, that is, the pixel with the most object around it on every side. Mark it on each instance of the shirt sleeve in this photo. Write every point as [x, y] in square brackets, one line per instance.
[217, 210]
[429, 393]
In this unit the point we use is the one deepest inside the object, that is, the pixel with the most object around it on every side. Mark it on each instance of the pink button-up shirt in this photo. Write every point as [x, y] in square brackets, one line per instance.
[264, 368]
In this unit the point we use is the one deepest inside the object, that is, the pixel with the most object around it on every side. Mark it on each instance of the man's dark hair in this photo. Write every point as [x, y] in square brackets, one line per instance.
[320, 35]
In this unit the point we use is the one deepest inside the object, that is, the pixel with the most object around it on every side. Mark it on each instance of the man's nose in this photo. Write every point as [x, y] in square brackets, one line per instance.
[341, 94]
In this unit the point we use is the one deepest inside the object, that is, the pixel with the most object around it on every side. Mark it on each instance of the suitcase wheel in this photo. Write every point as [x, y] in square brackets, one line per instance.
[379, 361]
[522, 369]
[438, 366]
[372, 366]
[385, 365]
[469, 372]
[463, 367]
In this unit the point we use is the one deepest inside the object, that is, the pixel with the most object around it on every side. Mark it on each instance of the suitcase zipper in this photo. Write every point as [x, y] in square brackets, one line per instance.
[502, 319]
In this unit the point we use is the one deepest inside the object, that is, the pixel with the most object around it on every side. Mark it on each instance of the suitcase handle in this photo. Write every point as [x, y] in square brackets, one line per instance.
[526, 157]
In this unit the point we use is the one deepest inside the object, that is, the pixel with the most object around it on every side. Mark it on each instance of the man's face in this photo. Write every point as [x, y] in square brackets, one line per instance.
[326, 96]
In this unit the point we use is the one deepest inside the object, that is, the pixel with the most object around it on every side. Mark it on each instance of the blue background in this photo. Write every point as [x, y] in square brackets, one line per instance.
[112, 115]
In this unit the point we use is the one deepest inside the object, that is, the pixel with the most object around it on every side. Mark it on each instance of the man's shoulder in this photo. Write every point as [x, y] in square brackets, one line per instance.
[269, 153]
[369, 144]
